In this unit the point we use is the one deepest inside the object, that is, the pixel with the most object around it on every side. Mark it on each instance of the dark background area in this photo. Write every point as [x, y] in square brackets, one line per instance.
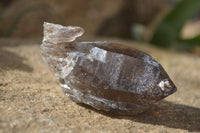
[24, 18]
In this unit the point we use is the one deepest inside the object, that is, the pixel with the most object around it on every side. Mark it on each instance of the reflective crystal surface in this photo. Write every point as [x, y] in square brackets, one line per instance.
[107, 76]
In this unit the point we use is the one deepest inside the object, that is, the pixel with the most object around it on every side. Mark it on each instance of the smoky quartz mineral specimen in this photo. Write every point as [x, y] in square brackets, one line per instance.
[106, 76]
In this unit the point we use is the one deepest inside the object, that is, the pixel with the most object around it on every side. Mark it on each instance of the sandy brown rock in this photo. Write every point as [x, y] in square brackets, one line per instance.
[31, 99]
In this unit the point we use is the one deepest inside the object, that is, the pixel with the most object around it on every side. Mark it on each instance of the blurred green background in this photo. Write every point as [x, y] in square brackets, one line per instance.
[169, 24]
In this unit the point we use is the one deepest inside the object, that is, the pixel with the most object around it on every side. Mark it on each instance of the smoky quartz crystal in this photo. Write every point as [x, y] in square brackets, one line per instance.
[107, 76]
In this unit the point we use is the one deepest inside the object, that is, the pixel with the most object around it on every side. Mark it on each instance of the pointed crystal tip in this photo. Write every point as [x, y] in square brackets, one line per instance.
[57, 33]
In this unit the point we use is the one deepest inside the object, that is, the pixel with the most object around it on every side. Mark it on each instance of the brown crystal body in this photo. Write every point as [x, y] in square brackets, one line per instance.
[106, 76]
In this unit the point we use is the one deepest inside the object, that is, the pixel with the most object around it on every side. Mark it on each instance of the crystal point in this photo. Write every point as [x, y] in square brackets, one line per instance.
[106, 76]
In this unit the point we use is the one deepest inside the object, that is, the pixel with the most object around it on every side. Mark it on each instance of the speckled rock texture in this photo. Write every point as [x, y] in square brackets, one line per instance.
[31, 99]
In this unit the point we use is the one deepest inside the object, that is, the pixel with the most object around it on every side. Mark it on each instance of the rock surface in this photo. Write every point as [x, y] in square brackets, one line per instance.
[31, 99]
[107, 76]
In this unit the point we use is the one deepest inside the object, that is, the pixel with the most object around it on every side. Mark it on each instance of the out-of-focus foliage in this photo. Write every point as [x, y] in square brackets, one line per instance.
[137, 31]
[188, 44]
[168, 30]
[3, 5]
[12, 27]
[127, 21]
[88, 14]
[25, 11]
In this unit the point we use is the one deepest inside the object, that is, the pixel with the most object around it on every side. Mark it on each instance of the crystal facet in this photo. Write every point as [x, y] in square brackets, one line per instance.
[106, 76]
